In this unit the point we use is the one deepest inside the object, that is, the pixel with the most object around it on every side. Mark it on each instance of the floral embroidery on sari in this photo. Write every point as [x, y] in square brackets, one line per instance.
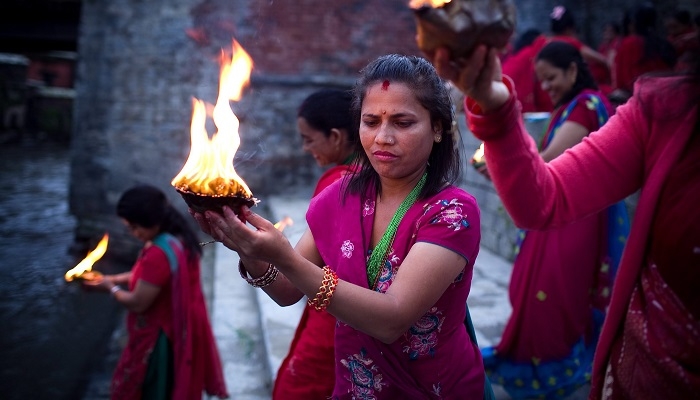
[422, 336]
[368, 208]
[450, 213]
[389, 270]
[347, 248]
[364, 376]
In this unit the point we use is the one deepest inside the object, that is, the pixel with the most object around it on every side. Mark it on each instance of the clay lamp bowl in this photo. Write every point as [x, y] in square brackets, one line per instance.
[202, 202]
[461, 25]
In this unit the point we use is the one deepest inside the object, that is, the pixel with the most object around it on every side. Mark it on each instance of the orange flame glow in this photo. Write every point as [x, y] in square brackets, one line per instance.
[209, 167]
[283, 223]
[92, 257]
[416, 4]
[478, 154]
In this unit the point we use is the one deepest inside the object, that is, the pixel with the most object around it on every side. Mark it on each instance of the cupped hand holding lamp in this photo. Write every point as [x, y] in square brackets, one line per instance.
[393, 261]
[384, 316]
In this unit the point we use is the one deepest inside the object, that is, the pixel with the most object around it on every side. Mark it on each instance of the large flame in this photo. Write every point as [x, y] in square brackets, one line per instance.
[92, 257]
[209, 167]
[415, 4]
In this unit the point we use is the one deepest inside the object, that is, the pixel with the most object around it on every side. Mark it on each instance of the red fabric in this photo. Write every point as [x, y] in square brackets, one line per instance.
[180, 311]
[554, 275]
[308, 370]
[637, 148]
[197, 364]
[143, 329]
[630, 63]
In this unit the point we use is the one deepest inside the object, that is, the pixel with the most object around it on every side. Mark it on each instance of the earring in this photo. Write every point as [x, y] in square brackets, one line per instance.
[438, 138]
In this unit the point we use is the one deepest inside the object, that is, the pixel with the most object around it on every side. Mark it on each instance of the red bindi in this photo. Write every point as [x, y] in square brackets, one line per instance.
[385, 85]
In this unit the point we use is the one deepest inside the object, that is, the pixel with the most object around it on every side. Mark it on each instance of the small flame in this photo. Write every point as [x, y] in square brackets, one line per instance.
[416, 4]
[478, 154]
[283, 223]
[209, 167]
[86, 265]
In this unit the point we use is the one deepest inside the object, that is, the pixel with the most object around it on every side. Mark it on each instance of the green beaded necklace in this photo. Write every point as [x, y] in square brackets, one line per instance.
[380, 253]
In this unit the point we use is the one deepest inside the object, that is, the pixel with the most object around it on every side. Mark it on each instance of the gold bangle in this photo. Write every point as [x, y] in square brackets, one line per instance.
[325, 292]
[266, 279]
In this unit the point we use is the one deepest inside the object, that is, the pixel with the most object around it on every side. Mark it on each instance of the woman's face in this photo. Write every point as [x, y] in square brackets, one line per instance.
[141, 233]
[324, 149]
[395, 131]
[555, 81]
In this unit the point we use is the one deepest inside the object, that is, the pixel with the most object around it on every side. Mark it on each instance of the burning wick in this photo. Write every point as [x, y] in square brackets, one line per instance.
[84, 269]
[283, 223]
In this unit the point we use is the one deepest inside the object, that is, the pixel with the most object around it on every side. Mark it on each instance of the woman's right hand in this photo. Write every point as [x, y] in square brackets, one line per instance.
[479, 76]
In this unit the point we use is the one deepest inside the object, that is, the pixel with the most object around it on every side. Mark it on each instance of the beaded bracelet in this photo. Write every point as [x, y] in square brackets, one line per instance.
[268, 277]
[325, 292]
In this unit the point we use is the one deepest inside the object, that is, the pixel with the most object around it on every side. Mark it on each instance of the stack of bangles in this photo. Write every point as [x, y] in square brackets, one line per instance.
[268, 277]
[325, 292]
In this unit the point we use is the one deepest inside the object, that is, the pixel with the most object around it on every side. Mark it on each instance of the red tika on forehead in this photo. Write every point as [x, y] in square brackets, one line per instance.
[385, 85]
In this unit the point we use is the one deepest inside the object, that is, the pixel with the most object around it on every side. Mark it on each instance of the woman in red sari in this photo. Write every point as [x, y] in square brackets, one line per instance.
[327, 133]
[171, 352]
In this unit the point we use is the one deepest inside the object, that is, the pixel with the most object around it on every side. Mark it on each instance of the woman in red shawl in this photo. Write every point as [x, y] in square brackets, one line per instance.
[649, 347]
[561, 278]
[171, 352]
[327, 132]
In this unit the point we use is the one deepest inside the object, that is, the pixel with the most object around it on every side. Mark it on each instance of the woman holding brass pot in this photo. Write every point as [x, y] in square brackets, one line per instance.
[390, 249]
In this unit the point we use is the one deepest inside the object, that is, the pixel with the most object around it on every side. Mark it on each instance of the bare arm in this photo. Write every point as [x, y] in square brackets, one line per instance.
[140, 299]
[568, 135]
[120, 279]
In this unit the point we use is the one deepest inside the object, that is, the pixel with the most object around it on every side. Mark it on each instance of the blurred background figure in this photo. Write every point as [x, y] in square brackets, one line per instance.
[171, 352]
[611, 39]
[561, 278]
[683, 36]
[642, 51]
[520, 67]
[328, 133]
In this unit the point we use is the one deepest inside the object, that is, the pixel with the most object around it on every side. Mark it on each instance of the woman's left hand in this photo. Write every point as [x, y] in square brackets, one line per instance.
[265, 242]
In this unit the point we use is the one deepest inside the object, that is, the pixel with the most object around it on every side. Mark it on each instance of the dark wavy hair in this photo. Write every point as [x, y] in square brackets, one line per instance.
[147, 206]
[561, 55]
[431, 92]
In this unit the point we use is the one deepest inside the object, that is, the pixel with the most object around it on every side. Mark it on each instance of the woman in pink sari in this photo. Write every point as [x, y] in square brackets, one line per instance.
[649, 347]
[170, 352]
[392, 246]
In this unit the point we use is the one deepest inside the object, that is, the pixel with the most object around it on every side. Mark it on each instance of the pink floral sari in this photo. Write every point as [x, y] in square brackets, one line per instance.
[435, 358]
